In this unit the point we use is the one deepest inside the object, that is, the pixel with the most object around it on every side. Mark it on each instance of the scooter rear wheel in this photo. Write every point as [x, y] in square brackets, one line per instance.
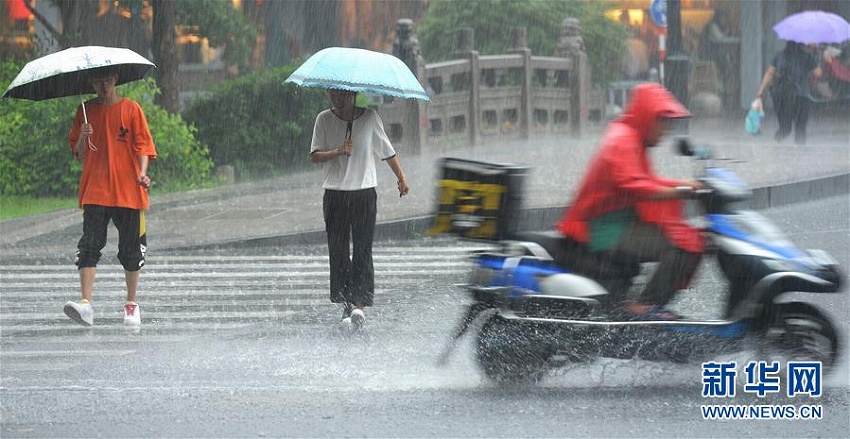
[800, 332]
[512, 351]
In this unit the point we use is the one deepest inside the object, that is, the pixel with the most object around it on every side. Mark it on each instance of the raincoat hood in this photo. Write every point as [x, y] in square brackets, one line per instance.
[649, 101]
[620, 177]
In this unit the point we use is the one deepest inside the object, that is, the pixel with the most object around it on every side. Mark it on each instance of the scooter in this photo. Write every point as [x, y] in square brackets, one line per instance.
[531, 314]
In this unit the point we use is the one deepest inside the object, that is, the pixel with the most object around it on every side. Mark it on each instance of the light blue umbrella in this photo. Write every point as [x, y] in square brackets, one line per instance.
[358, 70]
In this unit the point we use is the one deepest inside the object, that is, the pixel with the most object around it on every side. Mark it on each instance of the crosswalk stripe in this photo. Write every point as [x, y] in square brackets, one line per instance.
[75, 353]
[82, 341]
[403, 262]
[165, 302]
[170, 315]
[203, 272]
[379, 255]
[155, 291]
[61, 324]
[229, 281]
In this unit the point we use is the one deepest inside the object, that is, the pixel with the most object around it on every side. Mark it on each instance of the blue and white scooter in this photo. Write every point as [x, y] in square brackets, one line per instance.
[532, 314]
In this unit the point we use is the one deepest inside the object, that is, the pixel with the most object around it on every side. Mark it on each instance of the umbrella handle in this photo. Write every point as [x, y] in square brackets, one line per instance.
[86, 120]
[348, 135]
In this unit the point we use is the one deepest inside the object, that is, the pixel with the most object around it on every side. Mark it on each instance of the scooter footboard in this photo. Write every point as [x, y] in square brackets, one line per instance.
[553, 307]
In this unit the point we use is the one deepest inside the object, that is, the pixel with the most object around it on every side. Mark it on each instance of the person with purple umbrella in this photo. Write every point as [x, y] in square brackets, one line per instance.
[789, 77]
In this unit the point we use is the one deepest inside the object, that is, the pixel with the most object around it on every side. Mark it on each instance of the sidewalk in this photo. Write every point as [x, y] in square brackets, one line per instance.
[289, 209]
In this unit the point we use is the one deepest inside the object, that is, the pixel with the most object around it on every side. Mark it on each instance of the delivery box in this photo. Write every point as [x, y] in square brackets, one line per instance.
[478, 200]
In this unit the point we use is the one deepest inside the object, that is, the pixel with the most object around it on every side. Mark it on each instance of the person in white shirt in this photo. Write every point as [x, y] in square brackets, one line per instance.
[347, 140]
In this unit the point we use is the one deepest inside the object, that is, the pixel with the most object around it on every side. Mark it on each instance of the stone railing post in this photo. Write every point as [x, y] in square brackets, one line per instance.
[406, 48]
[571, 45]
[519, 44]
[465, 48]
[581, 99]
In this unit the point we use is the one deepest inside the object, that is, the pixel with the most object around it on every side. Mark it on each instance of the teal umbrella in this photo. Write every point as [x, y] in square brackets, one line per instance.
[358, 70]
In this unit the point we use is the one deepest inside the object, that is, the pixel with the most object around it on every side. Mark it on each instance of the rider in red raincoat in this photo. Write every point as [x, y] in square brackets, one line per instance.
[624, 209]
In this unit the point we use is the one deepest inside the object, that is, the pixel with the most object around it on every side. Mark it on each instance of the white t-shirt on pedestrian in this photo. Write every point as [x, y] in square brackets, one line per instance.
[358, 171]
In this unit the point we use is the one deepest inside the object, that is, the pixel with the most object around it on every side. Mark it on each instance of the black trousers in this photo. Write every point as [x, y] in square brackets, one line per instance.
[645, 242]
[792, 112]
[350, 219]
[132, 238]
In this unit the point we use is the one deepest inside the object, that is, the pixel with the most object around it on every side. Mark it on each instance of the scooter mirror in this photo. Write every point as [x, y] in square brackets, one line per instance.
[683, 144]
[686, 148]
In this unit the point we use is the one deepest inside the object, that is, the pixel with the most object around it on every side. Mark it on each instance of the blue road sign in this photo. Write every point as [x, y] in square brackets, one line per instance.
[658, 12]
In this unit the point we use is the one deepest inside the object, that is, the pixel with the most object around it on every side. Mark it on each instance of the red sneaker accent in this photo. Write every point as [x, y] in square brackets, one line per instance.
[130, 309]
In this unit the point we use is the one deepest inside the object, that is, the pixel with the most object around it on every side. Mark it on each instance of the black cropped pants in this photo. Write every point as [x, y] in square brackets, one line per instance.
[132, 237]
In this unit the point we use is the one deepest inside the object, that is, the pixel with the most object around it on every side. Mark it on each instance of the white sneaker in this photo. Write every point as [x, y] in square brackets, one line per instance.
[344, 325]
[132, 314]
[80, 312]
[357, 319]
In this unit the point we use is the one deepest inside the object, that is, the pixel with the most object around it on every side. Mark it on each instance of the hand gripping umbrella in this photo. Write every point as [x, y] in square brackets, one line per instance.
[65, 73]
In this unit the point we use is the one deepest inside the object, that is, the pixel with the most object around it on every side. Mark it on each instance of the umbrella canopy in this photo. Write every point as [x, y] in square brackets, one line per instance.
[813, 27]
[358, 70]
[65, 73]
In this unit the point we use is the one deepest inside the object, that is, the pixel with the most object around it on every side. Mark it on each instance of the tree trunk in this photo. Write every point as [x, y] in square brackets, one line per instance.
[165, 55]
[277, 44]
[75, 14]
[321, 18]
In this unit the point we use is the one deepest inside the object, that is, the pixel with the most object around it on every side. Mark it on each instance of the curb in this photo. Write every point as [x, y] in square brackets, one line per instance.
[789, 193]
[538, 218]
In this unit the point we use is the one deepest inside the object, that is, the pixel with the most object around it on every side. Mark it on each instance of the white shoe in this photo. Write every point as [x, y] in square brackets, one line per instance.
[344, 325]
[132, 314]
[80, 312]
[357, 319]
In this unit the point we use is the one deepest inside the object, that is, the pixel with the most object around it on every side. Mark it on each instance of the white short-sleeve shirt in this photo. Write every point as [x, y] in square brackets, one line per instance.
[358, 171]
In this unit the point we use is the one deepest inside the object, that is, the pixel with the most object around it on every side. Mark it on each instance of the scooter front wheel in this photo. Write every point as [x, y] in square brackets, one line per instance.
[800, 332]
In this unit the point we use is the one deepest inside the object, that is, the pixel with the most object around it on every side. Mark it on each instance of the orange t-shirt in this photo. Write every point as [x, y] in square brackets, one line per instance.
[110, 172]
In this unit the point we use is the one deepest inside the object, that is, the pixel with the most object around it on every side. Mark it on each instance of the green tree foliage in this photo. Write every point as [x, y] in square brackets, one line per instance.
[256, 124]
[493, 19]
[34, 155]
[35, 159]
[222, 25]
[183, 162]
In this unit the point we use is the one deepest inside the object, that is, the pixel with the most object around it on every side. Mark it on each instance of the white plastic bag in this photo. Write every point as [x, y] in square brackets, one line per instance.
[755, 118]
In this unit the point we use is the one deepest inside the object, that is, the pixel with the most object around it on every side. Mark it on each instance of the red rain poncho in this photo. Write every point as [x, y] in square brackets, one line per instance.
[620, 176]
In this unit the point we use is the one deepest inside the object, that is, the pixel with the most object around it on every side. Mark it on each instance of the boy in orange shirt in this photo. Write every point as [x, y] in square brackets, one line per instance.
[115, 147]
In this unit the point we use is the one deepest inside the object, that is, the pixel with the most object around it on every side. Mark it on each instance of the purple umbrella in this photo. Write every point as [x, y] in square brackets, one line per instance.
[813, 27]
